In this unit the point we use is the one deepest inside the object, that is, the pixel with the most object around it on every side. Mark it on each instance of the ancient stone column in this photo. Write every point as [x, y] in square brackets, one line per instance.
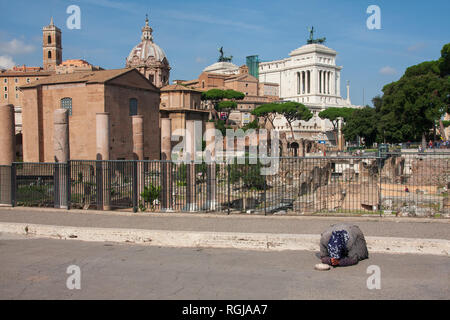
[189, 159]
[137, 123]
[210, 137]
[7, 151]
[166, 165]
[102, 135]
[340, 136]
[166, 139]
[61, 146]
[301, 148]
[138, 136]
[61, 150]
[103, 145]
[7, 135]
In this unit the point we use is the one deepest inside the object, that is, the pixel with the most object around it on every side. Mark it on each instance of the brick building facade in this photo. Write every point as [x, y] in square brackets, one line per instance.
[121, 92]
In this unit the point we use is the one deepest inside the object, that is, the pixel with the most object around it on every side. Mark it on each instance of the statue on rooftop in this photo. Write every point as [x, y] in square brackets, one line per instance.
[222, 58]
[311, 39]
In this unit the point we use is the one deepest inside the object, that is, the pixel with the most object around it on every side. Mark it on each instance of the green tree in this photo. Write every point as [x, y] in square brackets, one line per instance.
[362, 124]
[293, 111]
[334, 114]
[414, 104]
[226, 105]
[422, 68]
[251, 125]
[222, 127]
[377, 102]
[444, 61]
[267, 111]
[234, 95]
[216, 96]
[252, 177]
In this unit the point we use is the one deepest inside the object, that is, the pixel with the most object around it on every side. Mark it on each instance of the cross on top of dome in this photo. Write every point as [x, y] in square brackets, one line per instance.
[147, 30]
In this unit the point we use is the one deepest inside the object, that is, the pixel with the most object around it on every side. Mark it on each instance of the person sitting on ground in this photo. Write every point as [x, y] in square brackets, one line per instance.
[343, 245]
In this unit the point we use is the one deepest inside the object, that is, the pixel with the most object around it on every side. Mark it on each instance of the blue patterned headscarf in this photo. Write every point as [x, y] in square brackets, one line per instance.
[337, 245]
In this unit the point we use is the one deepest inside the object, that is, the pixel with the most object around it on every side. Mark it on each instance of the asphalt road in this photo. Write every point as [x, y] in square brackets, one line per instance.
[371, 226]
[36, 269]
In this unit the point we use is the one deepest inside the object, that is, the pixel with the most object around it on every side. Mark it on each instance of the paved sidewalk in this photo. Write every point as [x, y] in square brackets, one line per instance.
[396, 236]
[371, 226]
[37, 269]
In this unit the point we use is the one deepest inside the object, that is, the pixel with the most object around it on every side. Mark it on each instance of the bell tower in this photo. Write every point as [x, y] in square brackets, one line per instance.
[51, 46]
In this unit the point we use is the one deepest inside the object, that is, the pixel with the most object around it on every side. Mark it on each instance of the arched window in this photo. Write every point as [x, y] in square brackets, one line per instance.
[66, 103]
[49, 54]
[49, 39]
[133, 107]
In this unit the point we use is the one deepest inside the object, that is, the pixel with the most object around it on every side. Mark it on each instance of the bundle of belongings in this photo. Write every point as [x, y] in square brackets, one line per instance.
[343, 245]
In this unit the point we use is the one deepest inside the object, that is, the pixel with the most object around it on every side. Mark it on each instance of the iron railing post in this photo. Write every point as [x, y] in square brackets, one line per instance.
[265, 195]
[229, 187]
[13, 184]
[379, 190]
[56, 186]
[99, 183]
[135, 186]
[68, 183]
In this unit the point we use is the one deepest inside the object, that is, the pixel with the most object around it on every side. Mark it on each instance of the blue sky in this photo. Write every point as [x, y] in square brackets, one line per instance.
[191, 31]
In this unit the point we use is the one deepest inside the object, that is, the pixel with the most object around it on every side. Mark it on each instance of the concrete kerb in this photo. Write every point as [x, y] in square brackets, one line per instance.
[244, 241]
[233, 216]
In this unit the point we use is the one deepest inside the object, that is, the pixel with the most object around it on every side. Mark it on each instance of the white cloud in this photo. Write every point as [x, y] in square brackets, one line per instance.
[387, 70]
[6, 62]
[200, 60]
[416, 47]
[122, 6]
[194, 17]
[15, 46]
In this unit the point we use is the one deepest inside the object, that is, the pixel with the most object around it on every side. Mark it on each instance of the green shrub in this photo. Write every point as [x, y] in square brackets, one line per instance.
[150, 194]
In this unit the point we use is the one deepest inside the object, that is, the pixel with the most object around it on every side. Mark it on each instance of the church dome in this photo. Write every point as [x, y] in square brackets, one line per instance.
[146, 51]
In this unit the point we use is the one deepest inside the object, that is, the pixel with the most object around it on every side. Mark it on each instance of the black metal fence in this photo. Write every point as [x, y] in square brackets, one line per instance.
[5, 185]
[399, 183]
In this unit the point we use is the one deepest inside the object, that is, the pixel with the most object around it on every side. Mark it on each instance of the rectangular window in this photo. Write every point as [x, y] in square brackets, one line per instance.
[66, 103]
[6, 89]
[28, 80]
[15, 80]
[6, 96]
[133, 107]
[17, 96]
[5, 80]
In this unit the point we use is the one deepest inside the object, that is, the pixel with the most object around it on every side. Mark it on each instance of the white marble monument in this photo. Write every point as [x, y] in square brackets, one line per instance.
[309, 76]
